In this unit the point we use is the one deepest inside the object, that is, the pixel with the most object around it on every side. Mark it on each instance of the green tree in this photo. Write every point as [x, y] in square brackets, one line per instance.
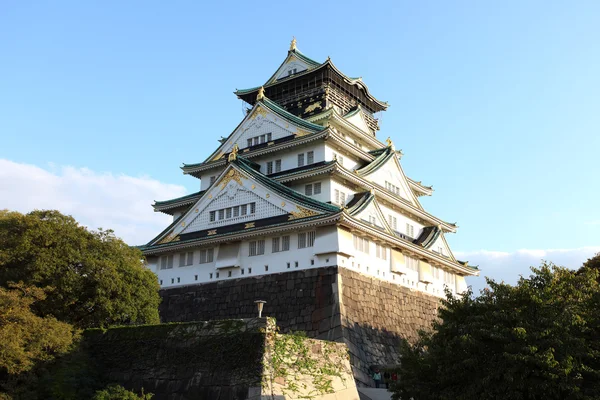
[91, 278]
[26, 338]
[538, 339]
[116, 392]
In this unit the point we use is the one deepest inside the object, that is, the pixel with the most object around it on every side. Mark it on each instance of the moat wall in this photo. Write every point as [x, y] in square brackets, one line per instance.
[333, 303]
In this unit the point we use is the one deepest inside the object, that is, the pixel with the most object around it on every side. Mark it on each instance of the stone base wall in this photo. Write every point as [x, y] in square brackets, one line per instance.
[334, 303]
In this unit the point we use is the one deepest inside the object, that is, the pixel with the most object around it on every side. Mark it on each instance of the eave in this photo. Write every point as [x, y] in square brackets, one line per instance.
[249, 95]
[419, 187]
[166, 205]
[293, 225]
[350, 222]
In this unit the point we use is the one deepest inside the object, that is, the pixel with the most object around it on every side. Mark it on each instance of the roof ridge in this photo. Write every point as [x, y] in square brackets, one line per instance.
[377, 163]
[276, 108]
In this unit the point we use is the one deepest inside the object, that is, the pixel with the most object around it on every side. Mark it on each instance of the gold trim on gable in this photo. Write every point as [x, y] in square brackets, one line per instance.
[301, 213]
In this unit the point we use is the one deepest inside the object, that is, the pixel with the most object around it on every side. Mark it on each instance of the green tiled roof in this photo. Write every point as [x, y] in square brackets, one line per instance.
[284, 190]
[377, 163]
[359, 202]
[304, 58]
[178, 199]
[271, 105]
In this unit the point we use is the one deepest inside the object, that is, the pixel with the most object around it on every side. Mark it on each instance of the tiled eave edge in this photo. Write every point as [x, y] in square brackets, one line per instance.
[187, 202]
[420, 188]
[408, 247]
[380, 192]
[246, 233]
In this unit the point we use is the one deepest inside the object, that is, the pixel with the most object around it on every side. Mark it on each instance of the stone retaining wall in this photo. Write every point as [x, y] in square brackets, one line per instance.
[332, 303]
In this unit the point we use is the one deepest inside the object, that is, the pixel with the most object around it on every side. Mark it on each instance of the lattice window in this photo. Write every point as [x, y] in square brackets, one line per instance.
[393, 221]
[256, 248]
[166, 262]
[269, 167]
[381, 252]
[317, 188]
[277, 165]
[186, 259]
[310, 157]
[306, 239]
[411, 263]
[410, 230]
[301, 160]
[308, 189]
[361, 244]
[206, 256]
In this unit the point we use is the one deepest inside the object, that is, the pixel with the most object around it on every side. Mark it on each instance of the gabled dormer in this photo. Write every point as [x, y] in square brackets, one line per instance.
[387, 173]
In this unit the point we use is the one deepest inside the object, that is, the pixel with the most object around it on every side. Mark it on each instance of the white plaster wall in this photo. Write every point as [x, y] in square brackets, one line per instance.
[289, 157]
[341, 187]
[390, 173]
[325, 188]
[333, 246]
[350, 162]
[402, 220]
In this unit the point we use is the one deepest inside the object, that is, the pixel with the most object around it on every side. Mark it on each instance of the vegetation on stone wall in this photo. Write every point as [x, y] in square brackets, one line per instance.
[301, 367]
[535, 340]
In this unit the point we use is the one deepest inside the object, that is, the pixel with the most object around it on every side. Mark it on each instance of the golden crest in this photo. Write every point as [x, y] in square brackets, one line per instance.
[172, 237]
[212, 232]
[302, 132]
[259, 111]
[232, 175]
[301, 213]
[249, 225]
[267, 195]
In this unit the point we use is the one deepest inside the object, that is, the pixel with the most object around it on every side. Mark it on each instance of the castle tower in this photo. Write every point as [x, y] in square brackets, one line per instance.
[304, 184]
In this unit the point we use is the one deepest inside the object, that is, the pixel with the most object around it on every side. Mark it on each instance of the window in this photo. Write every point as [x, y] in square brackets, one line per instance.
[217, 274]
[450, 279]
[257, 247]
[195, 277]
[342, 198]
[266, 267]
[242, 271]
[312, 262]
[172, 280]
[212, 179]
[317, 188]
[337, 196]
[255, 140]
[166, 262]
[269, 167]
[178, 279]
[211, 275]
[232, 212]
[186, 259]
[229, 274]
[260, 139]
[441, 250]
[249, 270]
[288, 265]
[392, 188]
[249, 142]
[310, 157]
[381, 252]
[393, 222]
[372, 220]
[295, 264]
[361, 244]
[306, 239]
[301, 160]
[340, 160]
[308, 189]
[277, 165]
[410, 230]
[280, 244]
[269, 136]
[285, 243]
[206, 256]
[411, 263]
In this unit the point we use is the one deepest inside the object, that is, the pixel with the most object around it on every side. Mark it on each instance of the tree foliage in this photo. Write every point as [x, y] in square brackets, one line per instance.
[91, 278]
[116, 392]
[26, 338]
[538, 339]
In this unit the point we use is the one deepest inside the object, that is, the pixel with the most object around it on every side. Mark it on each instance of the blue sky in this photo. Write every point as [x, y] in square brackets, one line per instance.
[496, 104]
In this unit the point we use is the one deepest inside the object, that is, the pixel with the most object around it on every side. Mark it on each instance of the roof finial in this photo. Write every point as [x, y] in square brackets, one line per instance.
[293, 44]
[388, 141]
[234, 152]
[261, 93]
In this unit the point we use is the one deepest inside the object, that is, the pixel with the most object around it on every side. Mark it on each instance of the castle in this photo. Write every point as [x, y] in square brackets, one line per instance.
[303, 206]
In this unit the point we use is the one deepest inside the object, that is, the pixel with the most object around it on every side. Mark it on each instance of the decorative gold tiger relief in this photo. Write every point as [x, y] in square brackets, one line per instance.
[313, 107]
[301, 213]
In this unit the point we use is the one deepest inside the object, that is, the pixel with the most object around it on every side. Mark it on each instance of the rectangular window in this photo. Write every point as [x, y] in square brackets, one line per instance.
[393, 222]
[410, 230]
[221, 214]
[190, 258]
[285, 243]
[250, 142]
[361, 244]
[182, 260]
[255, 140]
[411, 263]
[277, 165]
[244, 209]
[212, 216]
[337, 196]
[441, 250]
[269, 136]
[257, 247]
[317, 188]
[310, 238]
[252, 208]
[308, 190]
[341, 160]
[206, 256]
[269, 167]
[381, 252]
[310, 157]
[342, 198]
[236, 211]
[212, 179]
[372, 220]
[301, 160]
[275, 246]
[228, 212]
[261, 139]
[302, 240]
[170, 261]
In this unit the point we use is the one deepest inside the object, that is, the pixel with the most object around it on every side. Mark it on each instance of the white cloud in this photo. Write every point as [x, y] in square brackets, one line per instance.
[509, 266]
[118, 202]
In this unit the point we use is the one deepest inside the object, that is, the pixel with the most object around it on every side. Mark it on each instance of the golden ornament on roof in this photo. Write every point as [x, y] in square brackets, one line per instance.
[293, 44]
[234, 152]
[261, 94]
[388, 141]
